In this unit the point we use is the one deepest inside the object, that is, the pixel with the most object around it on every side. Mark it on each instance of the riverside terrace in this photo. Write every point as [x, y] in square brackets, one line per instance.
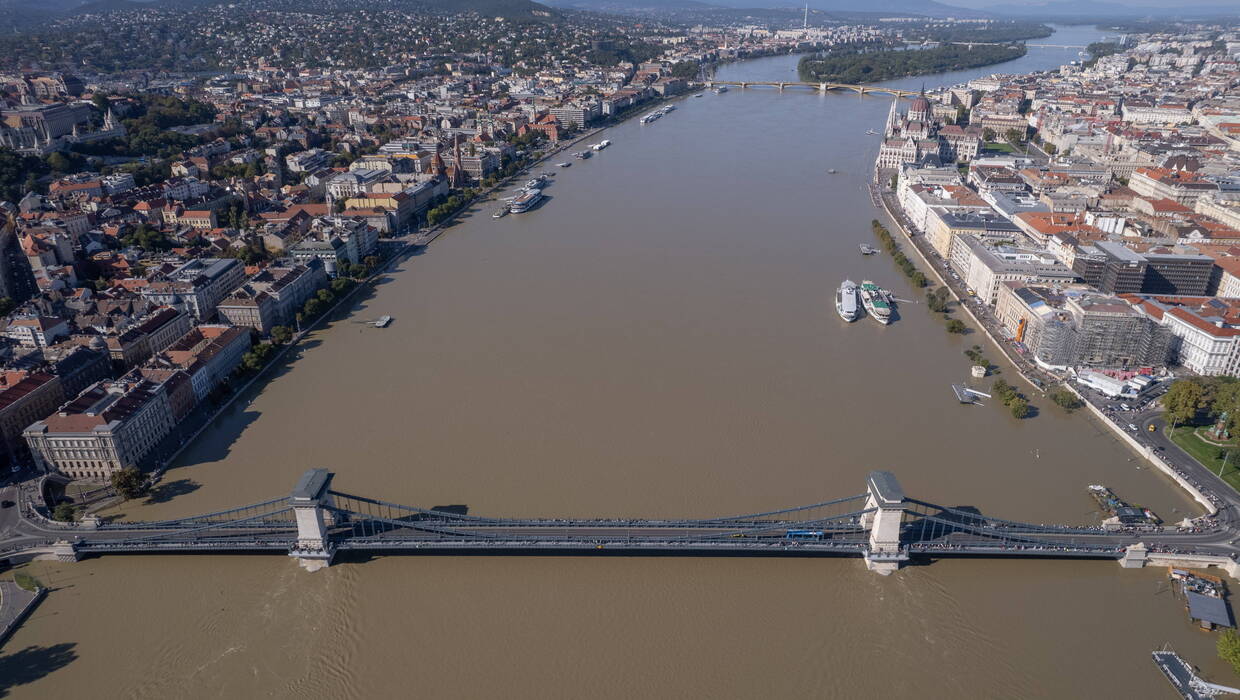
[881, 525]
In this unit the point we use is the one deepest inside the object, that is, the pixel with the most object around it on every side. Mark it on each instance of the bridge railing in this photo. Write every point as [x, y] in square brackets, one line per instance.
[276, 508]
[363, 525]
[925, 509]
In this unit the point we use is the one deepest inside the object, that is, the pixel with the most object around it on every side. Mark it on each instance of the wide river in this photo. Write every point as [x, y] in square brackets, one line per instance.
[659, 339]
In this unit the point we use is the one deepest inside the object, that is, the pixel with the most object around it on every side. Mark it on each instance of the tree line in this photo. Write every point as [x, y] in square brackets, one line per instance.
[1197, 399]
[885, 65]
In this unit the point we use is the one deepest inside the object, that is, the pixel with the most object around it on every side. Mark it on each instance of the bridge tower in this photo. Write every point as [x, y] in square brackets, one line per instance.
[886, 553]
[314, 550]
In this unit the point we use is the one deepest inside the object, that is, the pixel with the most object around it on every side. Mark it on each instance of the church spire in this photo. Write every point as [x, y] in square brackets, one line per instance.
[891, 117]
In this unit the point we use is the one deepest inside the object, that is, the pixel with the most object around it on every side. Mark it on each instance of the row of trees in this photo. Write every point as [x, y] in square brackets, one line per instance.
[917, 277]
[937, 302]
[1196, 398]
[1011, 397]
[449, 206]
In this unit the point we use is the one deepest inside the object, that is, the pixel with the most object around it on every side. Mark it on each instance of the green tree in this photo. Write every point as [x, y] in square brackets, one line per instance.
[59, 163]
[128, 482]
[1019, 407]
[1228, 646]
[340, 285]
[281, 334]
[1183, 401]
[1065, 399]
[955, 325]
[65, 513]
[6, 306]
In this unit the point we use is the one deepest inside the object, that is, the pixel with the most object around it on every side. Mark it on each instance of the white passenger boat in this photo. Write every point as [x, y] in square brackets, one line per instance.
[846, 301]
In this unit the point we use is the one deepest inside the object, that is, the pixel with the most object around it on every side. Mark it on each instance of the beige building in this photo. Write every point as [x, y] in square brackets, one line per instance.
[111, 425]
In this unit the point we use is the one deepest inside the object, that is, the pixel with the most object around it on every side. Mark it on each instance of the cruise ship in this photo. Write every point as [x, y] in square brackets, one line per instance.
[846, 301]
[875, 301]
[525, 201]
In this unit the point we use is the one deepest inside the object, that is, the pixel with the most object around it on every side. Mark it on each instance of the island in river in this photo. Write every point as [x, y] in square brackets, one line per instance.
[872, 67]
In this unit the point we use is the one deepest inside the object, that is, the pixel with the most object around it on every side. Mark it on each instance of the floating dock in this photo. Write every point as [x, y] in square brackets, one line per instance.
[967, 395]
[1205, 597]
[1116, 508]
[1185, 680]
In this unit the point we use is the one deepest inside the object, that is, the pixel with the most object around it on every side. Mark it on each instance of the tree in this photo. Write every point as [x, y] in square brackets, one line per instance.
[128, 482]
[1183, 400]
[340, 285]
[281, 334]
[988, 134]
[59, 163]
[1065, 399]
[1228, 646]
[1014, 135]
[1019, 407]
[955, 325]
[6, 306]
[65, 513]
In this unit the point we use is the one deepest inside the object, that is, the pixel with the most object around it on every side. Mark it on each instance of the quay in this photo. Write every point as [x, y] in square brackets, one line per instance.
[16, 604]
[881, 526]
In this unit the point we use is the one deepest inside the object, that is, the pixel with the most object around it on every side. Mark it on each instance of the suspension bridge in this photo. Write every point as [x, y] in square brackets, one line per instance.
[820, 87]
[881, 525]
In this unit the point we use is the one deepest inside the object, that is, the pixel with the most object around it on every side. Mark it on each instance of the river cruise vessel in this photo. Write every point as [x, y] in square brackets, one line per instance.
[525, 201]
[846, 301]
[876, 302]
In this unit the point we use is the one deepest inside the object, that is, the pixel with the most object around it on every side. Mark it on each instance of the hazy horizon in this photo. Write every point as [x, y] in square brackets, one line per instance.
[1135, 4]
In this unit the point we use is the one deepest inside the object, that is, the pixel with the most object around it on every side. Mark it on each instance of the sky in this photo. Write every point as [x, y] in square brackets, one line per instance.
[983, 4]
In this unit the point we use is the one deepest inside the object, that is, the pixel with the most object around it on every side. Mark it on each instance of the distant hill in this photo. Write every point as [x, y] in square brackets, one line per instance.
[19, 14]
[838, 8]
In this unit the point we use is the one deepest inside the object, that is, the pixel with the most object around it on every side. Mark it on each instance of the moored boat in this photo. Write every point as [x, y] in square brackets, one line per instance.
[875, 301]
[846, 301]
[525, 201]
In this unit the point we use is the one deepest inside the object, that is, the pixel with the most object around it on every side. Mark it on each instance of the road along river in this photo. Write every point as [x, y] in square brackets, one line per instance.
[658, 339]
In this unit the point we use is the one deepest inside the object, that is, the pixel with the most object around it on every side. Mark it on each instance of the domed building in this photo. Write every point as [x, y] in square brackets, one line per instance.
[919, 111]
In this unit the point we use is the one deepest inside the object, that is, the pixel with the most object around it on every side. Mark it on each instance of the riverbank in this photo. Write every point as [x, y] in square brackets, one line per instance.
[406, 245]
[1037, 378]
[16, 604]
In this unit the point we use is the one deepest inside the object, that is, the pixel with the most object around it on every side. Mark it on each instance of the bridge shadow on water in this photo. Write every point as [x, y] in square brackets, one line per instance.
[28, 665]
